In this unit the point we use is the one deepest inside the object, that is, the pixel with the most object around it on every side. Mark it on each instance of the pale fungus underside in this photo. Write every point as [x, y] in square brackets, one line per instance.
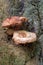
[24, 37]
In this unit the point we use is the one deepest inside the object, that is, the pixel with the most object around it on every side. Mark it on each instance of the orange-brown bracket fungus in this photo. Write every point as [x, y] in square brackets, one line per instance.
[24, 37]
[14, 21]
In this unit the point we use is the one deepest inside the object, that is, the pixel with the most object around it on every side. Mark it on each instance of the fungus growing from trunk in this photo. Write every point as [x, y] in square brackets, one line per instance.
[14, 21]
[24, 37]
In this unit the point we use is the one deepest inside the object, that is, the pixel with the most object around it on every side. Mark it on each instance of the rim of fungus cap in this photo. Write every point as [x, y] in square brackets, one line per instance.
[24, 19]
[24, 37]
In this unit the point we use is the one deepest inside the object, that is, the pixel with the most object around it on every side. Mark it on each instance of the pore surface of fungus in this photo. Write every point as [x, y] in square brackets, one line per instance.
[23, 37]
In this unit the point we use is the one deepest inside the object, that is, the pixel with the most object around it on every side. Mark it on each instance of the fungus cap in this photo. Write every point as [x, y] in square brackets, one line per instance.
[24, 37]
[14, 21]
[11, 21]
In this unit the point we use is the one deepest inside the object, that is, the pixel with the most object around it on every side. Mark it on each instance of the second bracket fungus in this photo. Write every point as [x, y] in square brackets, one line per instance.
[24, 37]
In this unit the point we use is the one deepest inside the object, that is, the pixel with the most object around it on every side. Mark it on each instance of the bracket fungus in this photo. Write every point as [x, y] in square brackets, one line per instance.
[24, 37]
[14, 21]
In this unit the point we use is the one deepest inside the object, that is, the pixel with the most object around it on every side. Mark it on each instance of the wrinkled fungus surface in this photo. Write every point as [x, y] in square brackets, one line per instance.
[14, 21]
